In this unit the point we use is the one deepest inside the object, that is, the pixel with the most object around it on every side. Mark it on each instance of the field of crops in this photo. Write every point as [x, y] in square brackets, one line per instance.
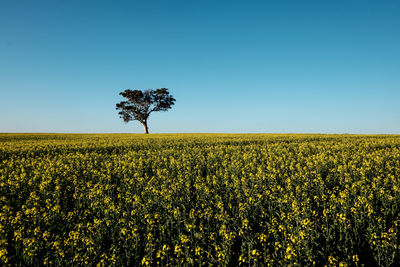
[173, 200]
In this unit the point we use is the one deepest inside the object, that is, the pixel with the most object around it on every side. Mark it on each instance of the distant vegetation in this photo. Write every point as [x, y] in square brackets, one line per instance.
[140, 104]
[199, 199]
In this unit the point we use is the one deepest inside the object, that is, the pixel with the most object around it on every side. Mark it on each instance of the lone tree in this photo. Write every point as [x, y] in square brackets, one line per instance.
[140, 104]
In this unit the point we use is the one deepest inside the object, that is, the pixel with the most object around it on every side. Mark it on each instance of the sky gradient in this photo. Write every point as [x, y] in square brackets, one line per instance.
[233, 66]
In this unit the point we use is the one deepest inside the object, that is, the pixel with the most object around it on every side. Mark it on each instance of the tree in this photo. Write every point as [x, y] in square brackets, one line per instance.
[140, 104]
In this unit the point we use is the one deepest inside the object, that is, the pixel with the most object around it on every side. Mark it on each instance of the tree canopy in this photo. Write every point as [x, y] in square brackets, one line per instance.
[140, 104]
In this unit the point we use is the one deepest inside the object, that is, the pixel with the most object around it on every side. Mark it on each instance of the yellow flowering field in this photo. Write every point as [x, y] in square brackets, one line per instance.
[199, 199]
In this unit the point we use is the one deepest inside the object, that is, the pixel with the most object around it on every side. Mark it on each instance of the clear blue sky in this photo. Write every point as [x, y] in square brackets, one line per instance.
[233, 66]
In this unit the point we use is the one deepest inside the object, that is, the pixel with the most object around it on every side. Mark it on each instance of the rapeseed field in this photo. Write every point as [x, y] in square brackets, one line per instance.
[199, 199]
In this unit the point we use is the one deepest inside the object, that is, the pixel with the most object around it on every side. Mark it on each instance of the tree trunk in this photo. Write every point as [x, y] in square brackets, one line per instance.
[146, 129]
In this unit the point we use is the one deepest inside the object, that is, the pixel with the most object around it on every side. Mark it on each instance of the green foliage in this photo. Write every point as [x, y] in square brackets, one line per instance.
[199, 199]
